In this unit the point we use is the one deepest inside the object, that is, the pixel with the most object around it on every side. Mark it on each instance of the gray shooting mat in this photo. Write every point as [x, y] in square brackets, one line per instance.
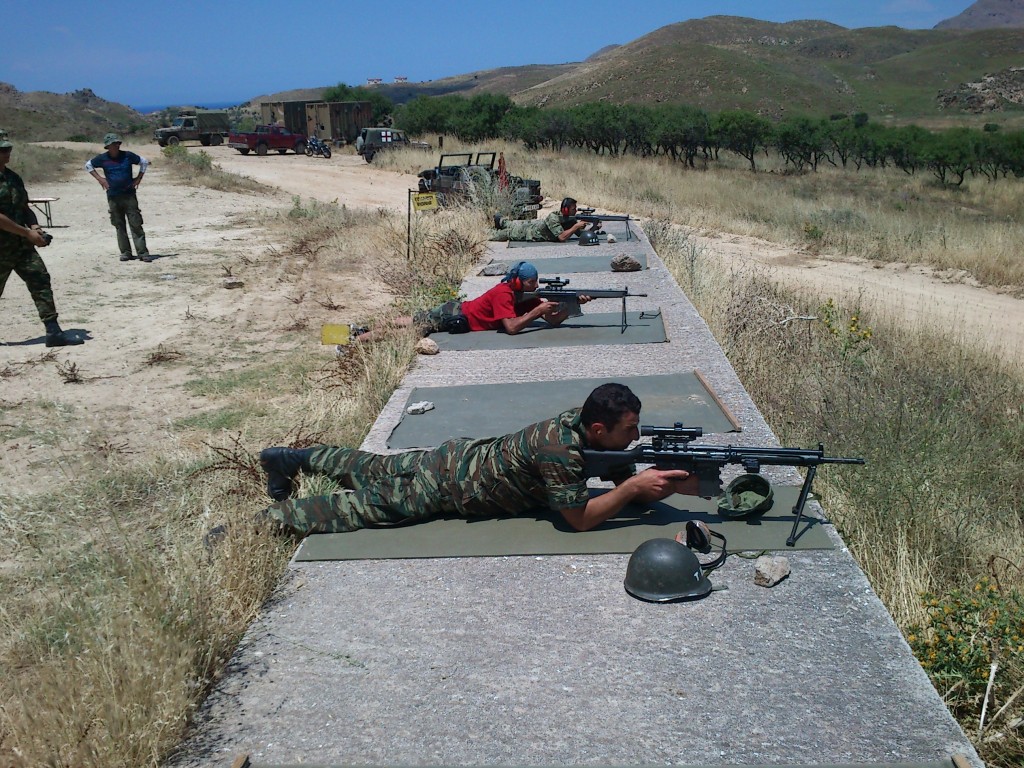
[569, 264]
[486, 410]
[602, 245]
[546, 533]
[591, 328]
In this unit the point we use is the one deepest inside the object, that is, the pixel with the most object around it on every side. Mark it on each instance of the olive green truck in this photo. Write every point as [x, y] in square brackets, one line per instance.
[208, 128]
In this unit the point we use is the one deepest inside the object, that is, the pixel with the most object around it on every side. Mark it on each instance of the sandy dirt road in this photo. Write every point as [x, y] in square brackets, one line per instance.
[126, 406]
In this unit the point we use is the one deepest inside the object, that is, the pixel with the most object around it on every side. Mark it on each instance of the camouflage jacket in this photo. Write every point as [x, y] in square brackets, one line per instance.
[539, 467]
[14, 205]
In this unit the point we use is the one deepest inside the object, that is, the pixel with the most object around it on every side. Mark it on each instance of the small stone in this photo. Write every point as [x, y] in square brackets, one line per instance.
[612, 239]
[769, 570]
[421, 407]
[624, 263]
[427, 347]
[497, 268]
[231, 282]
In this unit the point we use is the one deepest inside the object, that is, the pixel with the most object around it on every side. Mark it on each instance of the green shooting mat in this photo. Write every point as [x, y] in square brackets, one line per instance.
[550, 267]
[549, 534]
[486, 410]
[591, 328]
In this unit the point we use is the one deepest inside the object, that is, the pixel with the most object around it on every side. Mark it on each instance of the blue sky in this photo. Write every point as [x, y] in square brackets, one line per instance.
[174, 52]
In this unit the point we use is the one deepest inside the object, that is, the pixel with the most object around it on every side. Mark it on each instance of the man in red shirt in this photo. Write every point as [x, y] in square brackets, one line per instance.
[500, 308]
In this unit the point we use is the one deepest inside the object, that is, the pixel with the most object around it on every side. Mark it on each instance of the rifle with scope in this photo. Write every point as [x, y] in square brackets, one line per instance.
[588, 215]
[672, 448]
[554, 289]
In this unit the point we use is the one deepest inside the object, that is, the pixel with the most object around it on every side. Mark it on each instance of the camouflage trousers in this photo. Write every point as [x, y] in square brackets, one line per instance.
[519, 230]
[384, 490]
[125, 208]
[28, 265]
[433, 320]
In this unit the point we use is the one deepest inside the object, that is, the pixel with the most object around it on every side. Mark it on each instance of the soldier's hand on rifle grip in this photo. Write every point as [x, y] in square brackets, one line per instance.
[658, 484]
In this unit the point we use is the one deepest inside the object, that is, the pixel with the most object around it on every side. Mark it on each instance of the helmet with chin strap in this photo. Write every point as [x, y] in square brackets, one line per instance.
[663, 570]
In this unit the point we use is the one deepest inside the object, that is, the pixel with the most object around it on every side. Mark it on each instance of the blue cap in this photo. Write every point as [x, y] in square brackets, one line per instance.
[524, 270]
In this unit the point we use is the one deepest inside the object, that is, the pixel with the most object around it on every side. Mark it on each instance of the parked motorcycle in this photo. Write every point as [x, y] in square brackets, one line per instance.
[317, 147]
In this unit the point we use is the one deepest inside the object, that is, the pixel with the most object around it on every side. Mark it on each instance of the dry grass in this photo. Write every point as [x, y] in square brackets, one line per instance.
[116, 618]
[972, 232]
[938, 419]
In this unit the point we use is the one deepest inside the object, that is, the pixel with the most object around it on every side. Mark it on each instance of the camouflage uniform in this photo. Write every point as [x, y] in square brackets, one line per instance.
[539, 467]
[548, 229]
[17, 254]
[430, 321]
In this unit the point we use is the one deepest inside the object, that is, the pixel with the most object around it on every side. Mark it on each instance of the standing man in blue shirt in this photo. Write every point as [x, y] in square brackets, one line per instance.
[120, 186]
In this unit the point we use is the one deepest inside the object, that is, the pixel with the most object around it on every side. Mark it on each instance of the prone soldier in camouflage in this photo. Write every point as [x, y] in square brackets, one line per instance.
[539, 467]
[557, 227]
[20, 235]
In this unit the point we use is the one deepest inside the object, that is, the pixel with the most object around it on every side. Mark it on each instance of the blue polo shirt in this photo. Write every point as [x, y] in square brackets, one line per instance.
[118, 172]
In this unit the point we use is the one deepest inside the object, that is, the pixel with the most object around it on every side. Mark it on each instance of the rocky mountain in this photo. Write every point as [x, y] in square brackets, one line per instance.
[988, 14]
[80, 115]
[804, 67]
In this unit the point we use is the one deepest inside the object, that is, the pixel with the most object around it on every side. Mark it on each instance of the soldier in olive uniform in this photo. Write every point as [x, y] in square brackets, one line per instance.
[20, 235]
[539, 467]
[557, 227]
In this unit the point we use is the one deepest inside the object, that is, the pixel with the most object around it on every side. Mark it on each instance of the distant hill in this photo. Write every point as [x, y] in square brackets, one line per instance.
[812, 67]
[45, 116]
[506, 80]
[988, 14]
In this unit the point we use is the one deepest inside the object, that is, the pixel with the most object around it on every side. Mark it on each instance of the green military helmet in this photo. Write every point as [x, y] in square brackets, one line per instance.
[588, 238]
[663, 570]
[746, 495]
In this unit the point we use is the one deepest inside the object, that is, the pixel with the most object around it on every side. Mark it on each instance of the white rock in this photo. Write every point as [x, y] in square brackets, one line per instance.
[769, 570]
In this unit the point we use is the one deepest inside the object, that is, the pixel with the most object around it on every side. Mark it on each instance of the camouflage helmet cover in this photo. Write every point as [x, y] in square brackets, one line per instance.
[746, 495]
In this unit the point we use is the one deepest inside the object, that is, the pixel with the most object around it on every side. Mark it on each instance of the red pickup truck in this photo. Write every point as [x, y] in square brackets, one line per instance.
[267, 137]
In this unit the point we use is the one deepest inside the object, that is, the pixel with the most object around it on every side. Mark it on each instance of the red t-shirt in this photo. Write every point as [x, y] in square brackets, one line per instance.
[486, 312]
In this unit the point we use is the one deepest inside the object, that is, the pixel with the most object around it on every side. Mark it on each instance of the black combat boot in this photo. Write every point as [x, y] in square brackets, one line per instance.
[55, 337]
[281, 466]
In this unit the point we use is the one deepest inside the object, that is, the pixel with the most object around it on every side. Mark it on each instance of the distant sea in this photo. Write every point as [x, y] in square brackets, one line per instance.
[147, 108]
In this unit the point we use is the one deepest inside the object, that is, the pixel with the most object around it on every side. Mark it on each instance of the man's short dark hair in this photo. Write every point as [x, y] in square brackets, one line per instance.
[566, 202]
[608, 404]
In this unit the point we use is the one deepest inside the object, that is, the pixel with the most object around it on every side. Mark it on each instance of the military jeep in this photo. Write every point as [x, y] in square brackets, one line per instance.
[374, 140]
[455, 176]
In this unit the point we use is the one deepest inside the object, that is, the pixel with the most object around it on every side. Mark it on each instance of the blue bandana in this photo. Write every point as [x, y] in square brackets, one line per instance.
[524, 270]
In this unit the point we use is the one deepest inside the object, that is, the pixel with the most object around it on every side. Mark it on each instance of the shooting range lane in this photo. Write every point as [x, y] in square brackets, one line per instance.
[546, 660]
[488, 410]
[623, 240]
[590, 330]
[548, 534]
[575, 262]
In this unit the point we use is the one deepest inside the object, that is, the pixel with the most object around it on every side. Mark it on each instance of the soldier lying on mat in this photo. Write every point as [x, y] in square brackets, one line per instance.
[557, 227]
[501, 308]
[539, 467]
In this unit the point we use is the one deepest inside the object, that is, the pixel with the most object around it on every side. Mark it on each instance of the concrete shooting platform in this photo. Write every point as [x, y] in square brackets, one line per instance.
[546, 660]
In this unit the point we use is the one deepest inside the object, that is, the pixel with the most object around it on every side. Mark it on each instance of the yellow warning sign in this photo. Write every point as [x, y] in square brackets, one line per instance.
[424, 201]
[335, 334]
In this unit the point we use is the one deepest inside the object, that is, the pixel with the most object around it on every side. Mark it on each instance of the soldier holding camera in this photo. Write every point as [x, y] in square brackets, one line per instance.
[20, 235]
